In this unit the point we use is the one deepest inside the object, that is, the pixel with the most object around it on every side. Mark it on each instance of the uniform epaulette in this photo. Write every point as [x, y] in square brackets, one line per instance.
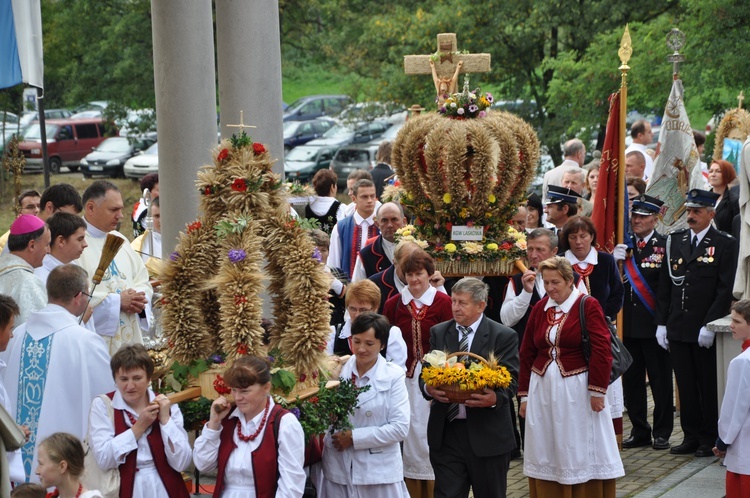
[725, 234]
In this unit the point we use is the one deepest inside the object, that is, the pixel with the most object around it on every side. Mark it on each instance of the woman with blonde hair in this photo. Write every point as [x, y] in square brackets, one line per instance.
[61, 466]
[570, 446]
[361, 297]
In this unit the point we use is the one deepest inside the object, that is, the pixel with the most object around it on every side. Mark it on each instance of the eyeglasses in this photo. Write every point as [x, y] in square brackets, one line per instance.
[91, 296]
[353, 310]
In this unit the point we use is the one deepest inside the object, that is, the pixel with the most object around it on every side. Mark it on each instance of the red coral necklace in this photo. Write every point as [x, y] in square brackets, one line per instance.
[552, 318]
[252, 437]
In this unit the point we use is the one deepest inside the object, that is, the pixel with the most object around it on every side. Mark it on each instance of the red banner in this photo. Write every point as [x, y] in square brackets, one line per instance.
[605, 213]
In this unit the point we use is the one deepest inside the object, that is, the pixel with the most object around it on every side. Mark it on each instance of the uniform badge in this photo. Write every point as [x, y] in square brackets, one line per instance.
[710, 252]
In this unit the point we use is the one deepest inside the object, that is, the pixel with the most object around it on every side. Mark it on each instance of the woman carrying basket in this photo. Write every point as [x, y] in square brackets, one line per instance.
[570, 447]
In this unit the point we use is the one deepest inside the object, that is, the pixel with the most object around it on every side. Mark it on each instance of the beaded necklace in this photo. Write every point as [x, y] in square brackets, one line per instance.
[252, 437]
[56, 493]
[552, 318]
[584, 273]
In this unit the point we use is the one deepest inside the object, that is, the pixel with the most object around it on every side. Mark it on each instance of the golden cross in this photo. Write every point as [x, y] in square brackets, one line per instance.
[242, 124]
[740, 98]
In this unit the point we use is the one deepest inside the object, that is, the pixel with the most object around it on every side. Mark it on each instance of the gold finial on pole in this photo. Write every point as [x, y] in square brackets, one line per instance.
[740, 99]
[242, 124]
[626, 50]
[675, 41]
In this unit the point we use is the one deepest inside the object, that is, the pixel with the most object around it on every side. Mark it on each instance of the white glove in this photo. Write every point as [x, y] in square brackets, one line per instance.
[620, 252]
[661, 336]
[337, 286]
[706, 338]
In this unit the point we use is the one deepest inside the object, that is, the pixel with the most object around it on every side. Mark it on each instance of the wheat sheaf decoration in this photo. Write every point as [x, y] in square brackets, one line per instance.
[468, 173]
[212, 285]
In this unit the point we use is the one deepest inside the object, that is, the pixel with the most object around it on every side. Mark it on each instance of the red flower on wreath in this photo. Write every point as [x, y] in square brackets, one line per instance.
[207, 191]
[220, 386]
[506, 246]
[258, 148]
[314, 400]
[239, 185]
[449, 226]
[241, 348]
[302, 377]
[419, 222]
[223, 154]
[196, 225]
[239, 299]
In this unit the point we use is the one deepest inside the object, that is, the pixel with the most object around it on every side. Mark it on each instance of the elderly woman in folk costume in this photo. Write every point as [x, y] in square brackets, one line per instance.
[599, 272]
[570, 447]
[415, 310]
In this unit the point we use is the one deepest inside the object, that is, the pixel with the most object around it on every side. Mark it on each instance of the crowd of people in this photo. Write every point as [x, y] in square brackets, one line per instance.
[73, 367]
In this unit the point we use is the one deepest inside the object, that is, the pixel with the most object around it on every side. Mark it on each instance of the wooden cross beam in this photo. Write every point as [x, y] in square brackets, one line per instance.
[449, 64]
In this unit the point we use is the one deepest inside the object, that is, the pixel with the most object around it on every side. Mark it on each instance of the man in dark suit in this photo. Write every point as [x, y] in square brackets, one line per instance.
[642, 269]
[470, 444]
[695, 288]
[382, 170]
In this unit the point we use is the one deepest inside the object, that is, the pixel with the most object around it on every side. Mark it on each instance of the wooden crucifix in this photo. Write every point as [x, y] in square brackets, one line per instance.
[446, 64]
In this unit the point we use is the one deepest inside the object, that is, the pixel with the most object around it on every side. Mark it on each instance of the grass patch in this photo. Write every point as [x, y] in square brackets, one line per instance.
[300, 82]
[129, 188]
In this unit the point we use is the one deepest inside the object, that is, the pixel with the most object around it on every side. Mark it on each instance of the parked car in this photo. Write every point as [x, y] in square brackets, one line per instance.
[341, 135]
[353, 157]
[315, 106]
[300, 132]
[390, 134]
[31, 116]
[142, 163]
[304, 161]
[109, 157]
[68, 141]
[370, 111]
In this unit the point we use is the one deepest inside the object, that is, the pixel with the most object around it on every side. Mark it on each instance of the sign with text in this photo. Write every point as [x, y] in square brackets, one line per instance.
[462, 232]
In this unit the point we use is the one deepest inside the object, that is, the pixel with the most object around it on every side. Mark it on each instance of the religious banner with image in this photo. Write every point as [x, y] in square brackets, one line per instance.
[677, 164]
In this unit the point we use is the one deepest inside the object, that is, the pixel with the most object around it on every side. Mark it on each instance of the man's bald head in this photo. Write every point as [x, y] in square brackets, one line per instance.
[389, 218]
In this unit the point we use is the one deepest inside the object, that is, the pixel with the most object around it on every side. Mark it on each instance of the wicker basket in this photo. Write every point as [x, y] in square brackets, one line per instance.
[465, 267]
[453, 392]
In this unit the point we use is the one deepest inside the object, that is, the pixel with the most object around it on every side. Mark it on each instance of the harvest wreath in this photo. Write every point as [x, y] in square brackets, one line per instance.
[461, 180]
[459, 380]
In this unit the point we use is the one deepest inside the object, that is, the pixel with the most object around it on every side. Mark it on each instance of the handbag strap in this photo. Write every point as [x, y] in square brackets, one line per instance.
[585, 342]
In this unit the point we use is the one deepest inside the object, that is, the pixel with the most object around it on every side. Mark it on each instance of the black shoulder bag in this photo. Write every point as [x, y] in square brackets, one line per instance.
[621, 357]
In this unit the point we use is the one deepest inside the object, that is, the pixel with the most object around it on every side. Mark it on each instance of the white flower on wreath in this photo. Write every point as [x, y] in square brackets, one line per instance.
[472, 247]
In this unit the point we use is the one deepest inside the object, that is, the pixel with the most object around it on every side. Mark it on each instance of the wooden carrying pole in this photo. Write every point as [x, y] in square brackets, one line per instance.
[625, 51]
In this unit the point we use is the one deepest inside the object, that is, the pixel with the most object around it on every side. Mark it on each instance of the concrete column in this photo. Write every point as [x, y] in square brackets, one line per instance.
[185, 82]
[249, 61]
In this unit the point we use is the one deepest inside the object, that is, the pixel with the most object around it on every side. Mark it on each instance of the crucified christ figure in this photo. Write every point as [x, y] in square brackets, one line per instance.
[445, 86]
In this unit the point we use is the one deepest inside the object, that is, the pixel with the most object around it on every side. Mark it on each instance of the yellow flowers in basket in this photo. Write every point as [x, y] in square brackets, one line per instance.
[445, 372]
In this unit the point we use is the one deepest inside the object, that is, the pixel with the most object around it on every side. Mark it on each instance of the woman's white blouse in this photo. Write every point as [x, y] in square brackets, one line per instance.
[239, 469]
[111, 451]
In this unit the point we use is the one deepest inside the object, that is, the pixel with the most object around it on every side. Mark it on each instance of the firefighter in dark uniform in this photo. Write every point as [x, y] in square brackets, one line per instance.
[642, 268]
[695, 288]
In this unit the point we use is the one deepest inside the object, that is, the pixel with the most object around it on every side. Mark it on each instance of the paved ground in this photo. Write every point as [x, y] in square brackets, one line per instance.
[648, 473]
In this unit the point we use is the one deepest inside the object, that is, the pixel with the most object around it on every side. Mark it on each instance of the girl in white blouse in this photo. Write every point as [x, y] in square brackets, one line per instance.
[60, 466]
[258, 446]
[138, 432]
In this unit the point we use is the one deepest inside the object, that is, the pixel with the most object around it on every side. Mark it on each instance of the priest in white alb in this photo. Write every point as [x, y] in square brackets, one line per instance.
[122, 300]
[56, 367]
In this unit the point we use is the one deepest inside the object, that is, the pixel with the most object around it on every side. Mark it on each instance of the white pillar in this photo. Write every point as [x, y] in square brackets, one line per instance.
[185, 83]
[249, 61]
